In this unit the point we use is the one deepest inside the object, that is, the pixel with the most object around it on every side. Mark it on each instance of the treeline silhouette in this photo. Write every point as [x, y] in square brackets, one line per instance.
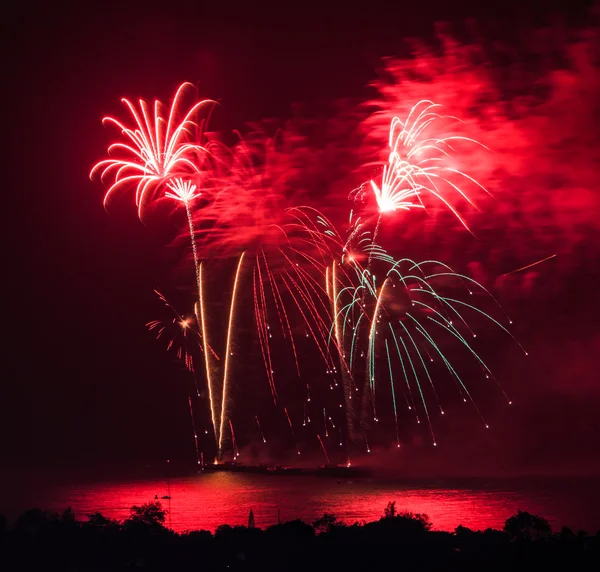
[43, 540]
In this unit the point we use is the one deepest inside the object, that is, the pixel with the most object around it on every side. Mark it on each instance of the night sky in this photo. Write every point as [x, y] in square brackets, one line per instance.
[85, 383]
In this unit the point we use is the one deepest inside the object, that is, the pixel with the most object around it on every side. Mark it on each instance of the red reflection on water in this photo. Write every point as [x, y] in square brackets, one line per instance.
[209, 500]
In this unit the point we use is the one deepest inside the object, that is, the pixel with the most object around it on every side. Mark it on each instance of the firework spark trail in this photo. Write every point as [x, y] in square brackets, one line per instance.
[371, 347]
[424, 285]
[530, 265]
[416, 166]
[462, 387]
[345, 369]
[228, 353]
[194, 428]
[262, 435]
[448, 302]
[154, 151]
[280, 305]
[418, 383]
[410, 400]
[185, 192]
[321, 346]
[200, 309]
[312, 293]
[387, 351]
[236, 451]
[158, 153]
[364, 288]
[335, 314]
[325, 422]
[423, 364]
[184, 328]
[446, 320]
[260, 309]
[320, 325]
[416, 282]
[292, 428]
[324, 450]
[261, 327]
[276, 298]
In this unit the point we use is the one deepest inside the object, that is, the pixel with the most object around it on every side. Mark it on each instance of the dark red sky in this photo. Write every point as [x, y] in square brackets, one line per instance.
[85, 382]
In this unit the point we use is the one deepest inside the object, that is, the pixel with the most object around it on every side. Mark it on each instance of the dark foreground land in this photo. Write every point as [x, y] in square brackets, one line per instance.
[41, 540]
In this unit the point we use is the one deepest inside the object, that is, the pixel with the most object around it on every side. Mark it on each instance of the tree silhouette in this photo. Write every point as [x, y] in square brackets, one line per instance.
[390, 510]
[150, 516]
[100, 522]
[35, 519]
[325, 523]
[527, 526]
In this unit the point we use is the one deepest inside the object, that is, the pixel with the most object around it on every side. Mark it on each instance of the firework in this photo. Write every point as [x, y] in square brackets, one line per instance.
[181, 333]
[228, 354]
[407, 312]
[379, 323]
[418, 163]
[154, 151]
[246, 191]
[201, 311]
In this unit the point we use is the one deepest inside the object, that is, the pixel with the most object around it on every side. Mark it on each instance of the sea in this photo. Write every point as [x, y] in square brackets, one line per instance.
[208, 500]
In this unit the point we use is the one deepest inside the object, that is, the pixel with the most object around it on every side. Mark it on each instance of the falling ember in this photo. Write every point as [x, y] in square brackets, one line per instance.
[292, 428]
[263, 327]
[324, 450]
[387, 351]
[178, 337]
[529, 265]
[289, 420]
[260, 429]
[236, 452]
[194, 429]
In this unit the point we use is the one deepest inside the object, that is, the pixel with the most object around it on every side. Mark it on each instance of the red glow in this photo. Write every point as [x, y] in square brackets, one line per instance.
[154, 150]
[194, 504]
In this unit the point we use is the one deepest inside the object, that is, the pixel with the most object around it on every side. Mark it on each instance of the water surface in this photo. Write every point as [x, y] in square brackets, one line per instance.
[205, 501]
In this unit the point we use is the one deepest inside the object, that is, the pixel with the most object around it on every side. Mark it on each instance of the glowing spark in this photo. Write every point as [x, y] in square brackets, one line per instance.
[194, 429]
[227, 350]
[183, 191]
[236, 452]
[202, 321]
[260, 429]
[155, 149]
[530, 265]
[415, 164]
[323, 447]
